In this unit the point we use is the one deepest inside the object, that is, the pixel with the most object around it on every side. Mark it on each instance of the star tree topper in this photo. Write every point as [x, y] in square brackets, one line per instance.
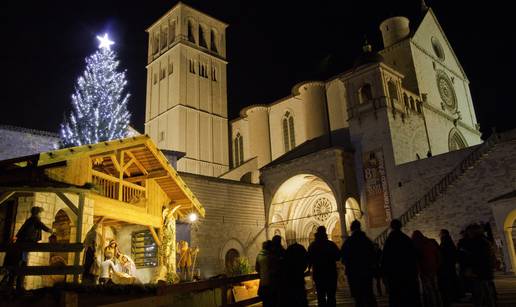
[105, 42]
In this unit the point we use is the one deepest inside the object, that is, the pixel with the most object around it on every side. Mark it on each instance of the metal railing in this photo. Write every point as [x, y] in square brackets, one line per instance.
[441, 186]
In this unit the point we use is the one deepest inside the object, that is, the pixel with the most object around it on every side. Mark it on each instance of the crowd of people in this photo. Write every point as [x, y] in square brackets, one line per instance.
[415, 271]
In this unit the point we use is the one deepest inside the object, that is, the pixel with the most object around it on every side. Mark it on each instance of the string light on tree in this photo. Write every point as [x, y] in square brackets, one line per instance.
[99, 102]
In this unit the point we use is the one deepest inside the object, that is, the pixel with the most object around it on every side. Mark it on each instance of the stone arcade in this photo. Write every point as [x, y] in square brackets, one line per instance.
[394, 136]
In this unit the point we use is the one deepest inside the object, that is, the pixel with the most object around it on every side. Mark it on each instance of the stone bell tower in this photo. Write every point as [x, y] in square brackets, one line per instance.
[186, 103]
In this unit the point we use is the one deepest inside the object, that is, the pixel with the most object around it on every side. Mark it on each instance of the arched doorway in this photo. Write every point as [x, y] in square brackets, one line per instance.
[353, 212]
[230, 259]
[510, 237]
[62, 227]
[300, 205]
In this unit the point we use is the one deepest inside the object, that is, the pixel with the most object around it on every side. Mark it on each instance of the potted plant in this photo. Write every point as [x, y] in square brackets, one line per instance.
[246, 289]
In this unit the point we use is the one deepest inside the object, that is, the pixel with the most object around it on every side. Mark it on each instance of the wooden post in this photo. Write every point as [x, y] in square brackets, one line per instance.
[68, 299]
[155, 235]
[121, 177]
[5, 196]
[78, 233]
[224, 293]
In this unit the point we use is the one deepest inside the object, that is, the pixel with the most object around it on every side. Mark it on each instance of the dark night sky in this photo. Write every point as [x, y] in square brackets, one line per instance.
[270, 48]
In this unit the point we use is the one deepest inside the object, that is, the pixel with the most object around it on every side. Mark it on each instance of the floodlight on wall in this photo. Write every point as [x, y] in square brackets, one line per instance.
[192, 217]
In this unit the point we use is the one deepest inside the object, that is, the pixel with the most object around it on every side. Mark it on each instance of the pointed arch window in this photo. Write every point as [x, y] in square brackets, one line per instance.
[214, 73]
[155, 43]
[191, 66]
[456, 141]
[365, 93]
[289, 134]
[213, 41]
[202, 37]
[418, 106]
[191, 36]
[393, 91]
[238, 145]
[172, 31]
[406, 102]
[163, 38]
[412, 104]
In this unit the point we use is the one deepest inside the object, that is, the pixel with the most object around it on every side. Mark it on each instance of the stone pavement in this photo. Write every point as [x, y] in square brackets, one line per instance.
[505, 286]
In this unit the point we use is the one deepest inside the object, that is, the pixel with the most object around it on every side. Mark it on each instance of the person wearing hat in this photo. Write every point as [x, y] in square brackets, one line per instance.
[323, 255]
[32, 229]
[30, 232]
[359, 257]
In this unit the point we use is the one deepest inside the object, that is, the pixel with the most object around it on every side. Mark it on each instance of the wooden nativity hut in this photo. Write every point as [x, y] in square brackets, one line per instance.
[123, 190]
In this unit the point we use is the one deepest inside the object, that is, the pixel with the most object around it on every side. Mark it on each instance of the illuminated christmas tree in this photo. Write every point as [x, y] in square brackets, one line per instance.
[99, 103]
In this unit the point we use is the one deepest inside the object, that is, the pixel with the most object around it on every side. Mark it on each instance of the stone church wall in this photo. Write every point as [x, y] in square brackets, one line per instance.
[467, 200]
[235, 218]
[410, 181]
[19, 142]
[409, 137]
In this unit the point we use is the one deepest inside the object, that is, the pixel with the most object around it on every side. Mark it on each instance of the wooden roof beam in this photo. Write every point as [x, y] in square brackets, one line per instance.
[137, 163]
[68, 202]
[5, 196]
[155, 236]
[72, 189]
[152, 175]
[128, 164]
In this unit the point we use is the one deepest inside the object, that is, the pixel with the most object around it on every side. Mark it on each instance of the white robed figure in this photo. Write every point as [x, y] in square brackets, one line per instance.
[125, 273]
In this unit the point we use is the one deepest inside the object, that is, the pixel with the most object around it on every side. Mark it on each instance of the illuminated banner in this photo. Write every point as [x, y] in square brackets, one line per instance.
[377, 191]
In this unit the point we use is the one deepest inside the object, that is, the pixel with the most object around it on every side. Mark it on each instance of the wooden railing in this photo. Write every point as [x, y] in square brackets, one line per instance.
[224, 284]
[47, 248]
[114, 188]
[443, 184]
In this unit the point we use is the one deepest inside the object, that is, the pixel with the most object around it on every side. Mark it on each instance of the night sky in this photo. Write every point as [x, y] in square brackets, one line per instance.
[270, 48]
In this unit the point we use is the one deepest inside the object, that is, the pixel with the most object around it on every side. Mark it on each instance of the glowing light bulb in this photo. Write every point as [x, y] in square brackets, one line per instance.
[192, 217]
[105, 42]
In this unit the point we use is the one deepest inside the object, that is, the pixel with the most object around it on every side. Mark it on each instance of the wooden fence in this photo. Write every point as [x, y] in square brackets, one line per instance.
[46, 248]
[224, 284]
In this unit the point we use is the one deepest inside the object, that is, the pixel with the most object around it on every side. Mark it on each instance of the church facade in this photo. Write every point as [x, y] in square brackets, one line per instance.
[366, 144]
[395, 136]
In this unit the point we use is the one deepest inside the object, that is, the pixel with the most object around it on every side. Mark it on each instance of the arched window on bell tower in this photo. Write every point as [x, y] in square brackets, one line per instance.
[238, 145]
[393, 91]
[191, 36]
[406, 102]
[202, 37]
[213, 41]
[289, 134]
[365, 93]
[412, 104]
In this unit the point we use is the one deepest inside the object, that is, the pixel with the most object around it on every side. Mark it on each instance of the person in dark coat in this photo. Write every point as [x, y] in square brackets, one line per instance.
[322, 257]
[429, 260]
[480, 263]
[447, 274]
[277, 247]
[378, 272]
[462, 258]
[30, 232]
[295, 265]
[399, 267]
[267, 266]
[359, 257]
